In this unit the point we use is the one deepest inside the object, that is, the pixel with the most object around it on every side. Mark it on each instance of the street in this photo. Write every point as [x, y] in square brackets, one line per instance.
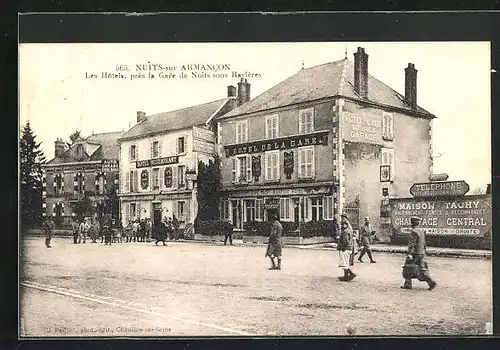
[194, 289]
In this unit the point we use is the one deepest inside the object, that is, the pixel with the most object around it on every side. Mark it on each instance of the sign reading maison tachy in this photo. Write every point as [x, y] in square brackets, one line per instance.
[316, 138]
[466, 216]
[439, 189]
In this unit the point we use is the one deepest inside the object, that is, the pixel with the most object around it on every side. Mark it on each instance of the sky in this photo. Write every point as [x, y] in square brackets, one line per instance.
[57, 97]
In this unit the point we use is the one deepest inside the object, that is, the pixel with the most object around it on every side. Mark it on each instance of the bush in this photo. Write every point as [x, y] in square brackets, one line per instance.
[326, 228]
[213, 227]
[257, 228]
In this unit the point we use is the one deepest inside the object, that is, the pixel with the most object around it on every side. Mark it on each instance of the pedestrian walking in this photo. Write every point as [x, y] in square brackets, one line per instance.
[228, 233]
[93, 231]
[82, 231]
[74, 226]
[160, 232]
[48, 226]
[417, 247]
[274, 245]
[366, 234]
[108, 231]
[346, 248]
[149, 228]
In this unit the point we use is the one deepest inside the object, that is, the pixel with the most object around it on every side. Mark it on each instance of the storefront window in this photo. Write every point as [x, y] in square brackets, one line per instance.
[316, 209]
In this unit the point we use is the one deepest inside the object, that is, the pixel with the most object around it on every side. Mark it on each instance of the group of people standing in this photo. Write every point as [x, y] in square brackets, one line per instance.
[93, 229]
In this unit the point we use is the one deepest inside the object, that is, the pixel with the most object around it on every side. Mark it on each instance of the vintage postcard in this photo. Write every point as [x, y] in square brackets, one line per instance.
[255, 189]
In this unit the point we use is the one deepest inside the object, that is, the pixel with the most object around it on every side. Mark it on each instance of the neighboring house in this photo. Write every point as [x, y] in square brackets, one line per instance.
[324, 141]
[88, 168]
[159, 160]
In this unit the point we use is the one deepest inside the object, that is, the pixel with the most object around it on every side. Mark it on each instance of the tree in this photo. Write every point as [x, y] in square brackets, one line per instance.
[73, 137]
[31, 159]
[209, 186]
[83, 207]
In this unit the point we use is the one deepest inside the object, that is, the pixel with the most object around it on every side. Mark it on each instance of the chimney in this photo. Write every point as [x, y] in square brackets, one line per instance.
[58, 147]
[141, 116]
[243, 91]
[231, 91]
[361, 72]
[411, 86]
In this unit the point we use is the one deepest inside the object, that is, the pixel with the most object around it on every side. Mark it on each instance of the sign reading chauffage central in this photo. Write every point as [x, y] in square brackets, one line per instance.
[366, 128]
[462, 216]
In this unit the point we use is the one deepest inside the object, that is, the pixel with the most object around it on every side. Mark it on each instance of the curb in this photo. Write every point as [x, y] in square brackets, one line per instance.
[329, 246]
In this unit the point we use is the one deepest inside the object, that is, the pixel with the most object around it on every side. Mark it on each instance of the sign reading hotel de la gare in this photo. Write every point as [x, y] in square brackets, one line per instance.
[316, 138]
[444, 210]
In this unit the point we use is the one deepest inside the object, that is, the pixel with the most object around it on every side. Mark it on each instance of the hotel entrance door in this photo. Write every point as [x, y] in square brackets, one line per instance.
[157, 213]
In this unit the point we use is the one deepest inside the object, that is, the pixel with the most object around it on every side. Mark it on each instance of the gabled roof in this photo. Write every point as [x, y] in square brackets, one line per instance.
[108, 149]
[175, 120]
[109, 145]
[323, 81]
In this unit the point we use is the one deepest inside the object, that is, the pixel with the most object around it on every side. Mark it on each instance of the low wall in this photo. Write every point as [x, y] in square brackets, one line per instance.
[263, 239]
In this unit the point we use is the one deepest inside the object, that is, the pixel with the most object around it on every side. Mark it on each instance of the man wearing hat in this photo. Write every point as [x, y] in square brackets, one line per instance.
[366, 234]
[416, 252]
[346, 249]
[274, 246]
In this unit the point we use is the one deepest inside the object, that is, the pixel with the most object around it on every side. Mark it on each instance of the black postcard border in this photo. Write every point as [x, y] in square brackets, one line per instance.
[238, 27]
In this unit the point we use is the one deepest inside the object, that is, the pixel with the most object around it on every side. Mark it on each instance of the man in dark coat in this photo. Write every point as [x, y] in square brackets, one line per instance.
[48, 226]
[366, 234]
[416, 252]
[345, 247]
[160, 232]
[75, 225]
[274, 246]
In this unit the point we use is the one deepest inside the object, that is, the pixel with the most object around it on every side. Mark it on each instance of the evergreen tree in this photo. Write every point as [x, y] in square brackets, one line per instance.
[73, 137]
[209, 186]
[31, 159]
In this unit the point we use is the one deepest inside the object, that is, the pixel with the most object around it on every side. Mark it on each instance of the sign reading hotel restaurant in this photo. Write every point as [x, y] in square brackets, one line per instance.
[157, 161]
[439, 189]
[366, 128]
[467, 216]
[316, 138]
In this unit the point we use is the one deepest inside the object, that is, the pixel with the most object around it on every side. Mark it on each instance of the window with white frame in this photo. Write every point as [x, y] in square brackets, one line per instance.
[181, 175]
[250, 210]
[132, 154]
[272, 165]
[258, 210]
[130, 212]
[387, 126]
[328, 208]
[244, 169]
[306, 214]
[316, 209]
[234, 170]
[306, 162]
[272, 127]
[285, 212]
[242, 131]
[225, 210]
[155, 149]
[181, 145]
[100, 188]
[388, 159]
[181, 209]
[306, 120]
[156, 178]
[131, 184]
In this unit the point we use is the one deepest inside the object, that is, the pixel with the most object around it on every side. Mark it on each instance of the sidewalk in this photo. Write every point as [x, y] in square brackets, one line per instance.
[385, 248]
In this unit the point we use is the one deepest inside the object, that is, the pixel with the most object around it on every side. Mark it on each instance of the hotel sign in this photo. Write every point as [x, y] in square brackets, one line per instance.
[282, 143]
[366, 128]
[467, 216]
[157, 161]
[278, 192]
[439, 189]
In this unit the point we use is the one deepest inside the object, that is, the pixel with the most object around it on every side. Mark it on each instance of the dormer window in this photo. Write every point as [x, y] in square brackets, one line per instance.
[79, 150]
